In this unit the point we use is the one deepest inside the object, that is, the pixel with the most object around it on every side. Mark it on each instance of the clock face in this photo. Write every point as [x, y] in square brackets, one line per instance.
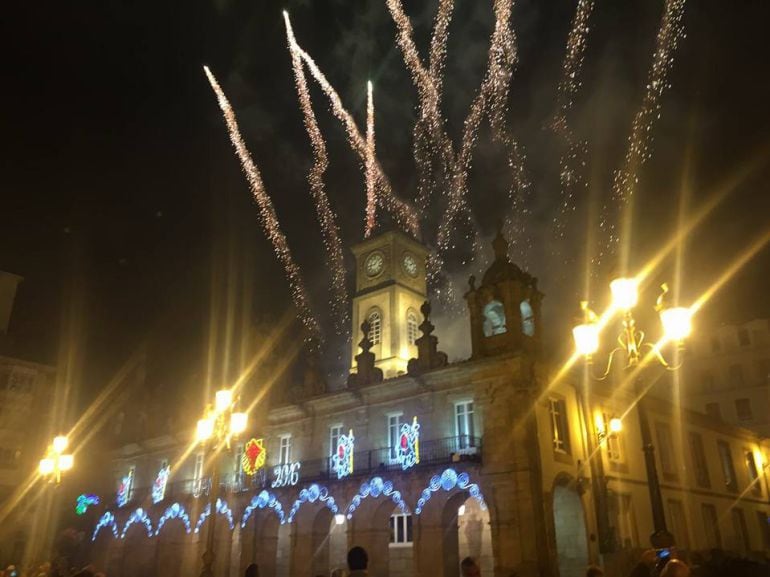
[374, 264]
[409, 263]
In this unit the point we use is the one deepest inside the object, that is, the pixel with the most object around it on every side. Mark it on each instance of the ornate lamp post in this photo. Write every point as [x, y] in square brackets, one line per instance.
[218, 427]
[56, 461]
[676, 323]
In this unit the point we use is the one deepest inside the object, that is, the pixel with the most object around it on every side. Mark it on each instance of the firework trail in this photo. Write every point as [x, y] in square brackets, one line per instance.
[326, 217]
[403, 213]
[574, 156]
[639, 151]
[371, 198]
[268, 218]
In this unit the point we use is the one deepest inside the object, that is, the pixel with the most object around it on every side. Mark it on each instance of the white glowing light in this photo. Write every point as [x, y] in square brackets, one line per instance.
[586, 338]
[205, 429]
[625, 293]
[461, 510]
[677, 323]
[66, 462]
[616, 425]
[60, 444]
[238, 423]
[222, 400]
[46, 466]
[339, 519]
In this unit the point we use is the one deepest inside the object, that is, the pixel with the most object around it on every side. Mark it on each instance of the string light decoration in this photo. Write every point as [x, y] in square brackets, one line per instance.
[254, 455]
[265, 500]
[268, 217]
[326, 218]
[222, 509]
[371, 193]
[175, 511]
[138, 516]
[159, 486]
[312, 494]
[84, 502]
[342, 460]
[124, 489]
[640, 140]
[106, 520]
[408, 454]
[375, 488]
[449, 480]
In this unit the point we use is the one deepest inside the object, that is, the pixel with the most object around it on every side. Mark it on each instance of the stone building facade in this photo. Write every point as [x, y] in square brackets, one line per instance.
[515, 463]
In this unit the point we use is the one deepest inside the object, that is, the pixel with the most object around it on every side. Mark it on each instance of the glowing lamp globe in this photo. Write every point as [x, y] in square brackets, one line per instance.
[223, 400]
[238, 422]
[205, 429]
[46, 466]
[677, 323]
[339, 519]
[616, 425]
[60, 444]
[66, 462]
[586, 338]
[625, 293]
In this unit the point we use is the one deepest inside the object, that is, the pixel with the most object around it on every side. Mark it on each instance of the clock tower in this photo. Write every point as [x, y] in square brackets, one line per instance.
[390, 288]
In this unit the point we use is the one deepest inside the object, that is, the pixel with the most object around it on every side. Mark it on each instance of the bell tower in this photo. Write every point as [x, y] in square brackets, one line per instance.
[390, 288]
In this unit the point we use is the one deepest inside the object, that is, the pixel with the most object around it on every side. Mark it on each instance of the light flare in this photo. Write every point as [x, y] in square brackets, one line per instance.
[371, 193]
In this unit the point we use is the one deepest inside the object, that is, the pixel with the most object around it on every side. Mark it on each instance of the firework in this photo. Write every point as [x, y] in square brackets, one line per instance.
[326, 217]
[268, 217]
[371, 199]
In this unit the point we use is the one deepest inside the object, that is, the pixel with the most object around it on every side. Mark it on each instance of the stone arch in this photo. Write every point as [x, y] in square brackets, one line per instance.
[223, 530]
[570, 527]
[474, 535]
[259, 540]
[139, 548]
[172, 533]
[527, 318]
[310, 533]
[494, 321]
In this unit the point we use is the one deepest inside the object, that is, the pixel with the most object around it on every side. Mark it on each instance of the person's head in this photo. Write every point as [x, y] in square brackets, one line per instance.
[650, 557]
[675, 568]
[252, 571]
[469, 568]
[594, 571]
[358, 560]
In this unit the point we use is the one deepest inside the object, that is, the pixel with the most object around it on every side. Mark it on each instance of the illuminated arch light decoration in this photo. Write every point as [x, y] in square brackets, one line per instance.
[175, 511]
[449, 480]
[138, 516]
[222, 509]
[254, 455]
[310, 495]
[265, 500]
[376, 487]
[409, 445]
[342, 460]
[106, 520]
[84, 502]
[159, 486]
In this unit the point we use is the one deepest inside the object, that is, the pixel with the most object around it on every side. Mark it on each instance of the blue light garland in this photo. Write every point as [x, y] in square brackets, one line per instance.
[175, 511]
[84, 502]
[448, 480]
[265, 500]
[310, 495]
[138, 516]
[376, 487]
[222, 509]
[106, 520]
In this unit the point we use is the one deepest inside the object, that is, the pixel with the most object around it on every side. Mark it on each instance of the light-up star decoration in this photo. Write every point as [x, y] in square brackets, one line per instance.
[159, 486]
[342, 460]
[84, 502]
[123, 490]
[254, 455]
[409, 445]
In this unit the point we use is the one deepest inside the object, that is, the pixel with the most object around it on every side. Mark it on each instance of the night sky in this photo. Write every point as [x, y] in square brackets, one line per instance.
[122, 198]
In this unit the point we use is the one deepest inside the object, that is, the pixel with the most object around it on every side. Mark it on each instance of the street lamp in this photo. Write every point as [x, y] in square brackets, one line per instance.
[219, 426]
[56, 461]
[677, 324]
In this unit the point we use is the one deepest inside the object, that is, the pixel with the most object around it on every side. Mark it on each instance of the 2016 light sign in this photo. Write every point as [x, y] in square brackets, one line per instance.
[286, 475]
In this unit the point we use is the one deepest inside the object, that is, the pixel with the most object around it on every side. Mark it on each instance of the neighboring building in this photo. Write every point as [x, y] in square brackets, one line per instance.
[510, 466]
[26, 391]
[728, 374]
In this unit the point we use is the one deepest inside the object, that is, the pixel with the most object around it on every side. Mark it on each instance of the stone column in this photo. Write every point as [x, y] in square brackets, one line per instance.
[436, 550]
[376, 542]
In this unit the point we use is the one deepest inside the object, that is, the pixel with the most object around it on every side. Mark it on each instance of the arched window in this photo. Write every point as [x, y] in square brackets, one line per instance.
[411, 326]
[375, 326]
[527, 318]
[494, 319]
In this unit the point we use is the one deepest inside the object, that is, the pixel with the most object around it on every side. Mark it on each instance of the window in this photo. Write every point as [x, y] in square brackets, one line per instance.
[699, 461]
[751, 465]
[711, 525]
[131, 479]
[716, 346]
[527, 318]
[614, 449]
[678, 523]
[559, 425]
[494, 319]
[464, 424]
[627, 531]
[763, 370]
[764, 527]
[728, 470]
[198, 467]
[394, 435]
[335, 432]
[743, 338]
[238, 464]
[743, 409]
[740, 530]
[735, 376]
[375, 326]
[284, 451]
[665, 449]
[713, 410]
[411, 327]
[400, 529]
